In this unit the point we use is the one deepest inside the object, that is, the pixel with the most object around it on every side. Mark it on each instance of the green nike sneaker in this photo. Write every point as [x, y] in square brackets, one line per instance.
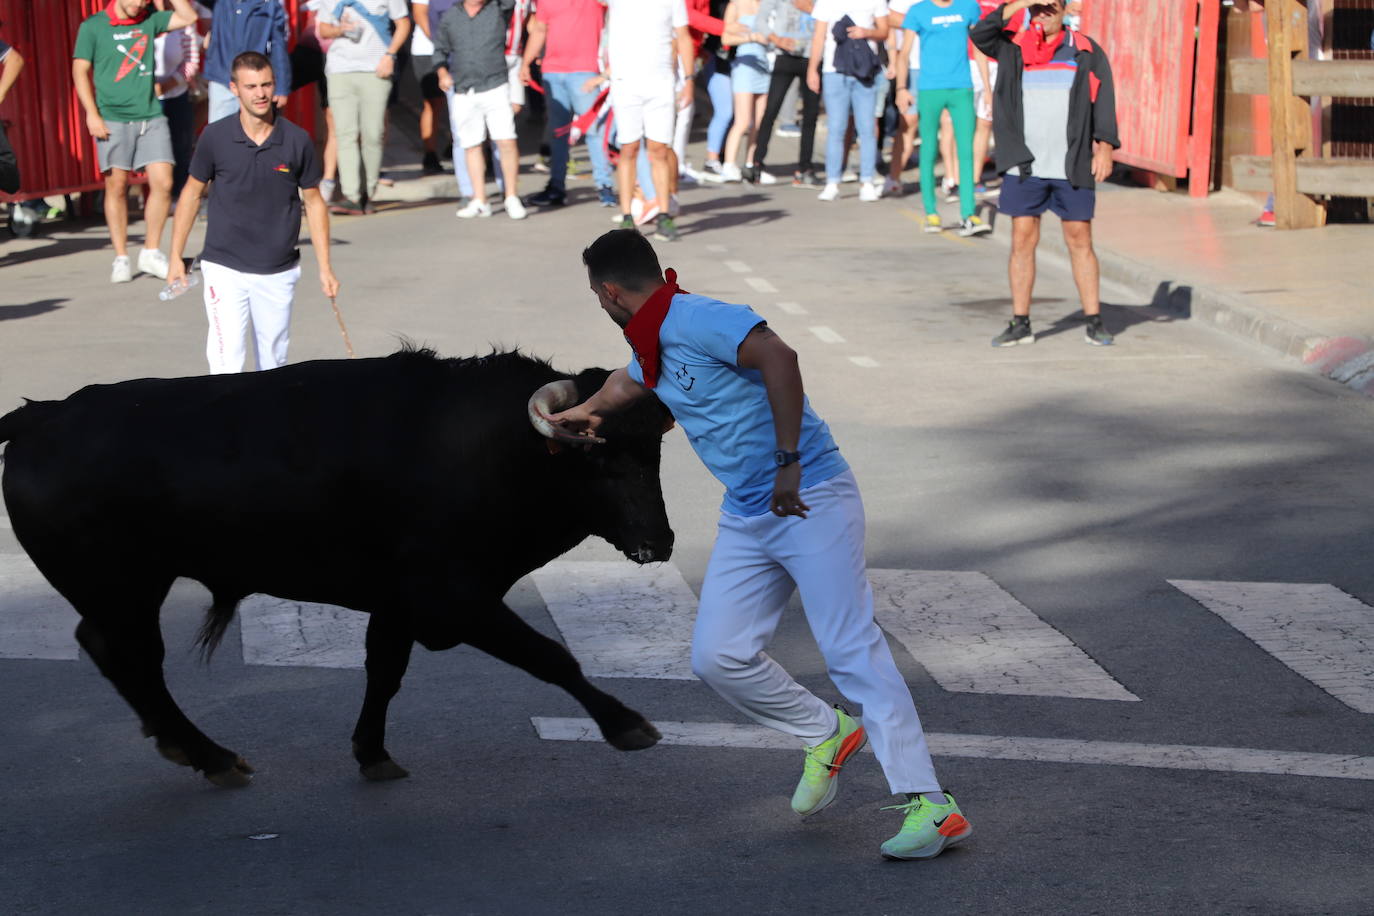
[927, 830]
[820, 774]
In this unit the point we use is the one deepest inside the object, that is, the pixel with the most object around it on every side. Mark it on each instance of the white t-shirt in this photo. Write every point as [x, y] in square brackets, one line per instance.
[362, 56]
[865, 14]
[420, 43]
[640, 37]
[899, 8]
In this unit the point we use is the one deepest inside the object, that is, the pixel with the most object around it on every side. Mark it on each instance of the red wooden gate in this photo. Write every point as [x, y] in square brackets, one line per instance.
[1164, 60]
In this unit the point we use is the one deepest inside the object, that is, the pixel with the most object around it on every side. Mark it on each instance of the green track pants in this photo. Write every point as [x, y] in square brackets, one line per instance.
[929, 104]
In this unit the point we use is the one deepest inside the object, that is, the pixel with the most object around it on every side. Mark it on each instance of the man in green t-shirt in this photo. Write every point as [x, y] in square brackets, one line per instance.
[112, 67]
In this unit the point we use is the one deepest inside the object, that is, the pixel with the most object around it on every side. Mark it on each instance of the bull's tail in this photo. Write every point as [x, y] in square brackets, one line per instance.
[217, 618]
[17, 421]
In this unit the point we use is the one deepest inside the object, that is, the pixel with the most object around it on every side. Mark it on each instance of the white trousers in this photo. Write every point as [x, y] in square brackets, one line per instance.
[755, 564]
[232, 299]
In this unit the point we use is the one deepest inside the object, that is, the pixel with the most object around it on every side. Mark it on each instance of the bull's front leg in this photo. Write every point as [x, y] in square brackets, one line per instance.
[388, 655]
[498, 631]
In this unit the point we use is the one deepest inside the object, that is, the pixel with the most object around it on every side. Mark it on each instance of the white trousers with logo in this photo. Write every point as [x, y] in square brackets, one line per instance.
[754, 566]
[232, 299]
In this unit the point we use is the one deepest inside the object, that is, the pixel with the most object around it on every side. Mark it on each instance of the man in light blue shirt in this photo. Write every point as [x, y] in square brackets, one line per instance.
[792, 518]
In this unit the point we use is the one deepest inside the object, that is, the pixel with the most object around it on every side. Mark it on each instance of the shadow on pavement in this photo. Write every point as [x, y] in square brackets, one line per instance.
[42, 306]
[54, 247]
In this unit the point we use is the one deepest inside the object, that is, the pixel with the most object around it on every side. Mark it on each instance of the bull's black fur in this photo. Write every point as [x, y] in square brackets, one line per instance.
[409, 487]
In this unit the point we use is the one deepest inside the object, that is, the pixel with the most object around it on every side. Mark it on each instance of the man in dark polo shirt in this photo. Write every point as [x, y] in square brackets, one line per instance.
[261, 166]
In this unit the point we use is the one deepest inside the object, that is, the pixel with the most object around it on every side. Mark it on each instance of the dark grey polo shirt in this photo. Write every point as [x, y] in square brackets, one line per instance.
[254, 222]
[473, 48]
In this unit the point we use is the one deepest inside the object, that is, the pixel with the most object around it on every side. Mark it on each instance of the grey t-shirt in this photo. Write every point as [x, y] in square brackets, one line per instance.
[473, 48]
[1045, 103]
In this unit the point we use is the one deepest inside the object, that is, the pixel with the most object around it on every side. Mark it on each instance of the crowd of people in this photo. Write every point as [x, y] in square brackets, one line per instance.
[1017, 103]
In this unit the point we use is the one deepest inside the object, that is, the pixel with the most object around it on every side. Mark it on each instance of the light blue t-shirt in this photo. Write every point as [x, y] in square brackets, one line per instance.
[724, 409]
[943, 31]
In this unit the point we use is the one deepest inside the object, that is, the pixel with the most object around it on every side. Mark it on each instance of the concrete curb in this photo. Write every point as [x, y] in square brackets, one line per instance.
[1348, 360]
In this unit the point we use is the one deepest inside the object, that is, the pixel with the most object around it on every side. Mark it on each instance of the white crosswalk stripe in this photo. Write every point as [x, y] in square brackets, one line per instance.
[1001, 747]
[625, 621]
[622, 620]
[297, 634]
[35, 621]
[1319, 631]
[973, 637]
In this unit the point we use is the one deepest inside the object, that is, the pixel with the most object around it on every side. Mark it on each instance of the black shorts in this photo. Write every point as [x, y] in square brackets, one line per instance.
[423, 66]
[307, 66]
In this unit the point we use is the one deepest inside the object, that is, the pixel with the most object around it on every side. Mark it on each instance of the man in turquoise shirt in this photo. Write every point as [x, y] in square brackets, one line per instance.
[792, 518]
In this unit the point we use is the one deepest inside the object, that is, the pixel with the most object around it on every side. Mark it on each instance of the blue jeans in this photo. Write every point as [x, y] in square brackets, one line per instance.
[223, 102]
[842, 95]
[566, 100]
[722, 103]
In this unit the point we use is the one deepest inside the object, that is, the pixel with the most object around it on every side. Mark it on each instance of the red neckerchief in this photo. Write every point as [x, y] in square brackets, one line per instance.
[116, 20]
[642, 331]
[1035, 49]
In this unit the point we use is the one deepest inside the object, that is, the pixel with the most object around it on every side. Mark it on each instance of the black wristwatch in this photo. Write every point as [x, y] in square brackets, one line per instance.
[783, 459]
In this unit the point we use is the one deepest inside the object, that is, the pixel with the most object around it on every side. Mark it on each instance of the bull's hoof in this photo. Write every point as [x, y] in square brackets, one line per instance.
[383, 771]
[635, 739]
[238, 776]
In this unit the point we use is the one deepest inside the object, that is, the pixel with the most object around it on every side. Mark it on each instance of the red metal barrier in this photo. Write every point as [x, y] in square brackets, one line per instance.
[47, 125]
[1164, 60]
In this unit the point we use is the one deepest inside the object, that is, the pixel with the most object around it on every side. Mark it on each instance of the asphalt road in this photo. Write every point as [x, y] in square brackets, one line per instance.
[1081, 481]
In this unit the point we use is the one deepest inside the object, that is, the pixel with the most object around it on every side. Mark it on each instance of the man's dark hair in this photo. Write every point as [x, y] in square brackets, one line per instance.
[250, 60]
[624, 257]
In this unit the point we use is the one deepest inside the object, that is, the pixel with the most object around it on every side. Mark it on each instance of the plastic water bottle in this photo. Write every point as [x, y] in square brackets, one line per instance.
[174, 289]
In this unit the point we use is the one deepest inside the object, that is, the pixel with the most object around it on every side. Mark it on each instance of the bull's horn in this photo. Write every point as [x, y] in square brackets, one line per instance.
[550, 399]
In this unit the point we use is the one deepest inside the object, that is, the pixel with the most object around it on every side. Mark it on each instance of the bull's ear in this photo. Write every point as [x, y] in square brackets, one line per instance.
[668, 425]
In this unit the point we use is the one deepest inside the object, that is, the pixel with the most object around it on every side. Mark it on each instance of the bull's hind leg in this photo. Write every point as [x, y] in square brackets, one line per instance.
[502, 634]
[127, 648]
[388, 655]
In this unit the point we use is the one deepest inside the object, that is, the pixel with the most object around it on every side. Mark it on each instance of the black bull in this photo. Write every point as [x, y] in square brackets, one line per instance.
[412, 488]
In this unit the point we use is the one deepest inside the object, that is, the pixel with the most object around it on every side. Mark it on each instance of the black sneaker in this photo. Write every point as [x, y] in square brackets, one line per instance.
[431, 165]
[750, 174]
[549, 197]
[1095, 334]
[626, 222]
[346, 207]
[1018, 332]
[666, 230]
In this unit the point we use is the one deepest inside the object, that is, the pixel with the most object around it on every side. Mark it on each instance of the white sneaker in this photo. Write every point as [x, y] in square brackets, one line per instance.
[122, 272]
[869, 191]
[153, 261]
[730, 172]
[767, 177]
[474, 208]
[849, 176]
[829, 192]
[514, 208]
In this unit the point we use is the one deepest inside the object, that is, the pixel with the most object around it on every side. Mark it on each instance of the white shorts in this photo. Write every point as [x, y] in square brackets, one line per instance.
[476, 115]
[232, 299]
[644, 107]
[982, 101]
[517, 88]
